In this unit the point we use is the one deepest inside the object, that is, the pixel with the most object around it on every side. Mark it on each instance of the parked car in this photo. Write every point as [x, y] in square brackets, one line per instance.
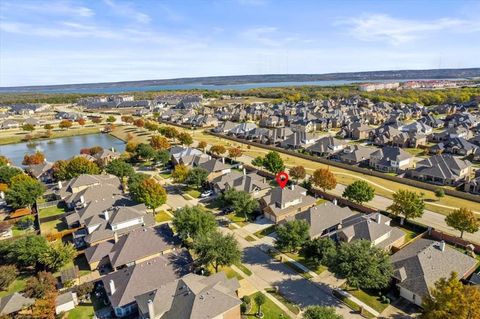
[206, 193]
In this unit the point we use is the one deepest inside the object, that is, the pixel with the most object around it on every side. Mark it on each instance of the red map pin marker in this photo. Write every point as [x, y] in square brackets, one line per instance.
[282, 179]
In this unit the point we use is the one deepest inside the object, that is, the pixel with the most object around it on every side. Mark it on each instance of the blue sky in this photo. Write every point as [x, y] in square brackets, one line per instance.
[57, 42]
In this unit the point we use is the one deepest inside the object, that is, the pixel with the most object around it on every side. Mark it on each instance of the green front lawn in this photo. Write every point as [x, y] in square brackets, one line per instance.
[238, 219]
[269, 309]
[162, 216]
[53, 226]
[290, 305]
[312, 265]
[193, 193]
[265, 232]
[245, 270]
[82, 311]
[51, 211]
[300, 271]
[370, 298]
[17, 231]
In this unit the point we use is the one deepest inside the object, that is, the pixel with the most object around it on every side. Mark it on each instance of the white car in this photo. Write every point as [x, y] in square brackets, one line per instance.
[206, 194]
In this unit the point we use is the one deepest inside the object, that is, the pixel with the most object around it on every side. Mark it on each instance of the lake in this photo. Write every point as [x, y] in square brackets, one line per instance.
[60, 148]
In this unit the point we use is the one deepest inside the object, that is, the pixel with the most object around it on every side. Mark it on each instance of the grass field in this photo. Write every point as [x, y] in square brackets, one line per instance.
[317, 268]
[265, 232]
[243, 268]
[51, 211]
[370, 299]
[193, 193]
[53, 226]
[162, 216]
[82, 311]
[16, 136]
[290, 305]
[269, 309]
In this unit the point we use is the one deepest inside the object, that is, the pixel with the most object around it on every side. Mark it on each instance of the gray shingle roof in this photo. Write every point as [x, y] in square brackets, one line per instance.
[14, 303]
[442, 166]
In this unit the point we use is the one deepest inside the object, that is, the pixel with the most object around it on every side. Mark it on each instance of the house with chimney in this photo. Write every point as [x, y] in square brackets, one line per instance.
[423, 262]
[327, 146]
[391, 159]
[284, 203]
[441, 169]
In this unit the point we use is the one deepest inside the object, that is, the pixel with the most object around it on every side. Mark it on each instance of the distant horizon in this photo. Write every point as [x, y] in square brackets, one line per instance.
[102, 41]
[256, 75]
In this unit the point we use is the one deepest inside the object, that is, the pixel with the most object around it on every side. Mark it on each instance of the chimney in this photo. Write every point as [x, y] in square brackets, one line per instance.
[334, 201]
[2, 195]
[244, 171]
[151, 310]
[112, 286]
[442, 245]
[60, 185]
[223, 160]
[82, 199]
[106, 214]
[115, 237]
[378, 218]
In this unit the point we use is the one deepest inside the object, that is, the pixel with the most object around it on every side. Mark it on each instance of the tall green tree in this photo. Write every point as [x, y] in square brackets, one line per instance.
[258, 161]
[273, 163]
[407, 203]
[241, 202]
[218, 149]
[23, 191]
[27, 251]
[363, 265]
[7, 173]
[320, 250]
[119, 168]
[58, 255]
[180, 173]
[193, 222]
[151, 193]
[260, 300]
[292, 235]
[217, 250]
[197, 176]
[161, 157]
[463, 220]
[321, 312]
[185, 138]
[134, 183]
[145, 151]
[359, 192]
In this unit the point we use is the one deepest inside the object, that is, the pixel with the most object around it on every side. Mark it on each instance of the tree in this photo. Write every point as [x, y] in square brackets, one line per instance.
[145, 151]
[4, 161]
[451, 299]
[127, 119]
[351, 262]
[185, 138]
[169, 132]
[41, 285]
[97, 120]
[273, 162]
[58, 255]
[196, 176]
[162, 157]
[33, 159]
[95, 150]
[131, 147]
[151, 193]
[439, 193]
[139, 123]
[202, 145]
[193, 222]
[23, 191]
[217, 250]
[8, 273]
[84, 289]
[407, 203]
[257, 161]
[48, 126]
[321, 312]
[65, 124]
[298, 172]
[151, 126]
[111, 119]
[27, 251]
[28, 127]
[159, 142]
[119, 168]
[45, 308]
[7, 173]
[234, 152]
[218, 149]
[241, 202]
[292, 235]
[463, 220]
[180, 173]
[260, 300]
[134, 182]
[321, 250]
[64, 170]
[324, 179]
[81, 121]
[359, 192]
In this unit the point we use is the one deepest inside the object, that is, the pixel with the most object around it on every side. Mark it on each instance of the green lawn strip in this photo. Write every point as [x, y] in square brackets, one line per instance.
[237, 219]
[300, 271]
[229, 272]
[249, 238]
[16, 286]
[162, 216]
[16, 231]
[82, 311]
[320, 201]
[269, 309]
[415, 151]
[165, 175]
[193, 193]
[278, 295]
[371, 299]
[265, 232]
[53, 226]
[310, 264]
[51, 211]
[244, 269]
[187, 197]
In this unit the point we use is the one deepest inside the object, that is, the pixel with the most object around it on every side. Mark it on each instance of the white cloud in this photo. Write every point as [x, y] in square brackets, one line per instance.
[269, 36]
[53, 7]
[128, 10]
[381, 27]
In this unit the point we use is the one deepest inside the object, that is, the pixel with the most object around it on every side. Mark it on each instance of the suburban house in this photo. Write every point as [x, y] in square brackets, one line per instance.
[420, 264]
[65, 302]
[42, 172]
[9, 124]
[473, 185]
[182, 155]
[324, 219]
[13, 304]
[390, 159]
[327, 146]
[284, 203]
[213, 166]
[132, 248]
[375, 228]
[192, 296]
[441, 169]
[122, 286]
[298, 139]
[251, 183]
[105, 156]
[356, 154]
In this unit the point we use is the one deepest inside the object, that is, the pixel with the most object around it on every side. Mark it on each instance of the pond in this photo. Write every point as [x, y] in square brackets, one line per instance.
[60, 148]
